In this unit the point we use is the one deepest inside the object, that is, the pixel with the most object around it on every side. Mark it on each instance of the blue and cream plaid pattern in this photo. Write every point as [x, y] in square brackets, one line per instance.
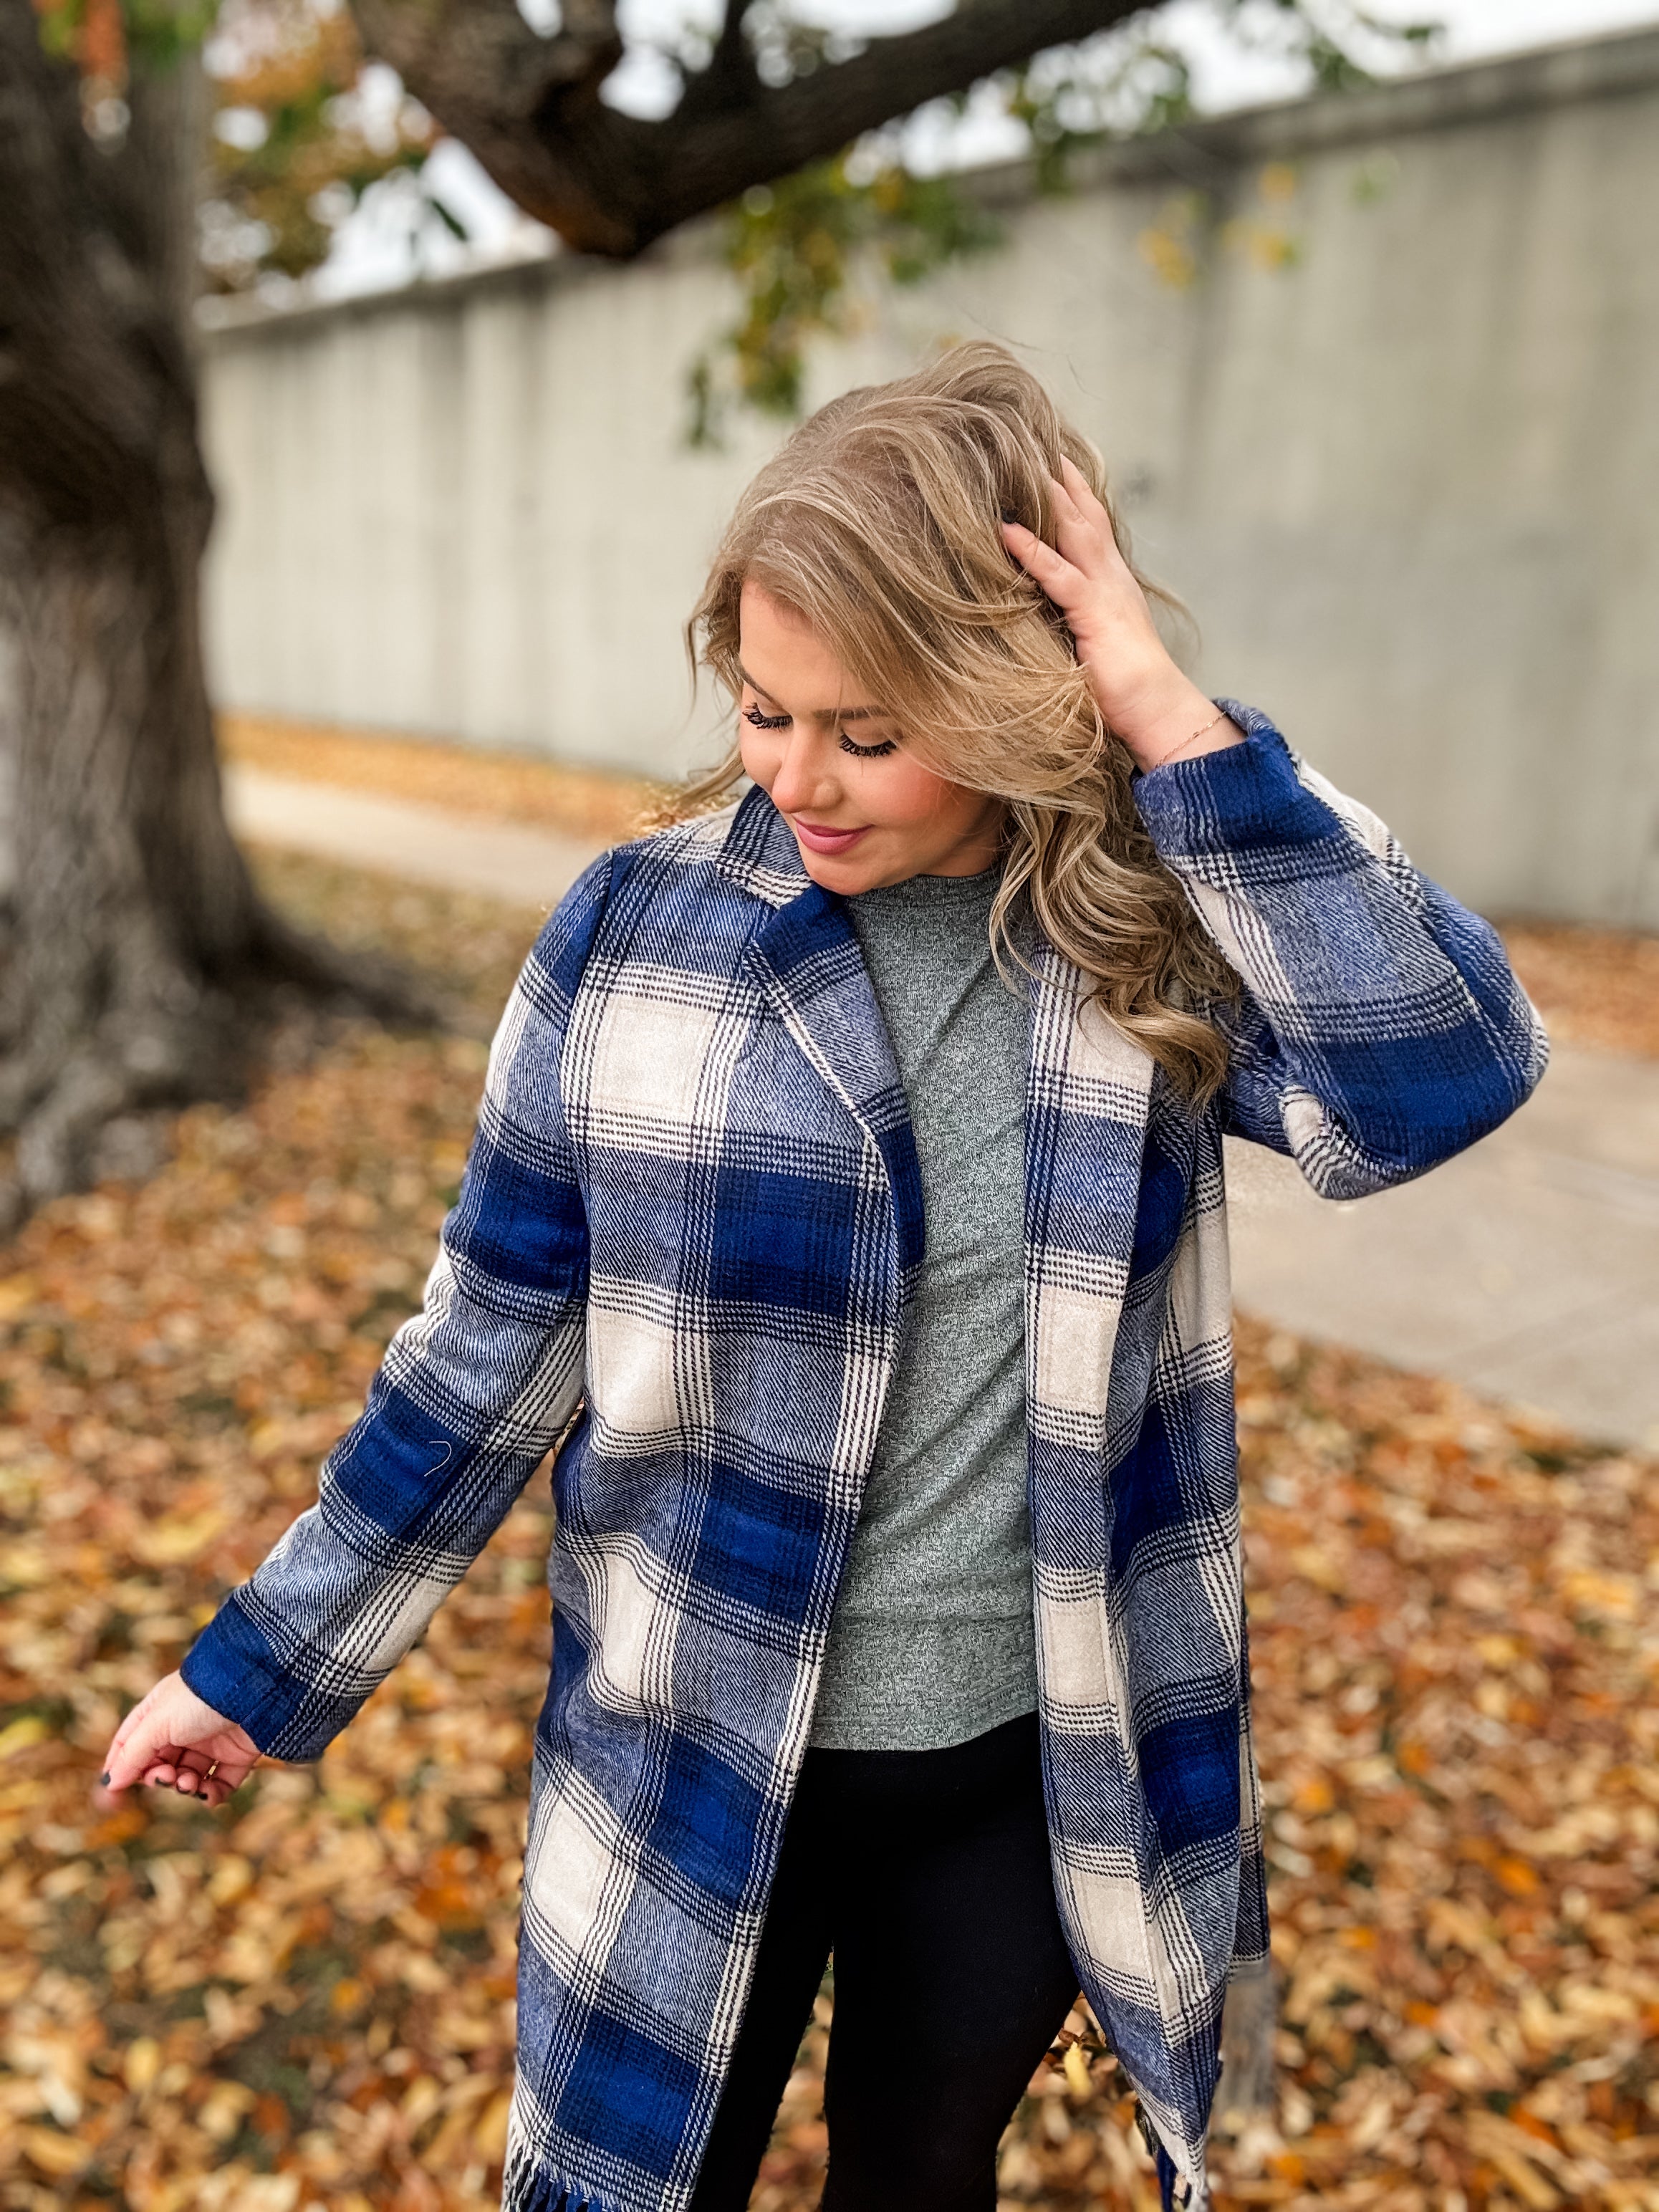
[693, 1210]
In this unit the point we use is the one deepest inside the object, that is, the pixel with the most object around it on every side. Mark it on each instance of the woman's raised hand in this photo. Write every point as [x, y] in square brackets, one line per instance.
[172, 1741]
[1142, 695]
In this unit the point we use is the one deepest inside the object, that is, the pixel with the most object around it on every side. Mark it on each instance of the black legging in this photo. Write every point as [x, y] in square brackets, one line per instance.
[926, 1873]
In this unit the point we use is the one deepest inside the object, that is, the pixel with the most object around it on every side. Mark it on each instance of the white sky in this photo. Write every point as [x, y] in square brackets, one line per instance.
[388, 240]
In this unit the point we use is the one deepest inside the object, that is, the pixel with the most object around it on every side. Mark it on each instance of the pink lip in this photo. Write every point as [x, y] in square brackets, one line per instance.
[817, 839]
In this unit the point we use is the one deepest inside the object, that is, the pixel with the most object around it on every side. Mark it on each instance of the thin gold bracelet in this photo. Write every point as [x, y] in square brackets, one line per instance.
[1219, 716]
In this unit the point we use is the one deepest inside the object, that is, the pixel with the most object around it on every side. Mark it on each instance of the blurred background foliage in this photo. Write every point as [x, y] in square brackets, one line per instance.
[302, 127]
[300, 124]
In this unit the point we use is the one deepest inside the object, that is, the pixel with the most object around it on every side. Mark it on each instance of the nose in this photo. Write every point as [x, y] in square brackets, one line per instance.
[801, 786]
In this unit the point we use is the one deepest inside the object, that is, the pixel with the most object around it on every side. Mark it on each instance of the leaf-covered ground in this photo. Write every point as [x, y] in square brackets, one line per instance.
[307, 2001]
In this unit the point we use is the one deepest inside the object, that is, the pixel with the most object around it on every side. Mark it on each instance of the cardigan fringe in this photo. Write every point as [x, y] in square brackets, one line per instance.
[528, 2187]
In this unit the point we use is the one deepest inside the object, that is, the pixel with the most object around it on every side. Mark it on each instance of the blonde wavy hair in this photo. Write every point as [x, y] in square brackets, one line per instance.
[876, 523]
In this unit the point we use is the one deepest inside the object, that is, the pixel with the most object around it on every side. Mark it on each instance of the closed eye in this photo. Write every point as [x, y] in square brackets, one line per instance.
[752, 714]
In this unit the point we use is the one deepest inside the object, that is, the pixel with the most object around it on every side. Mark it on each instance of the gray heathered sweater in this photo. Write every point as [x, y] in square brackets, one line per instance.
[932, 1640]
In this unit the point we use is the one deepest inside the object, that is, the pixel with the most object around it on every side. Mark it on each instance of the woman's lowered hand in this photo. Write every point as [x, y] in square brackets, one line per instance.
[172, 1741]
[1142, 697]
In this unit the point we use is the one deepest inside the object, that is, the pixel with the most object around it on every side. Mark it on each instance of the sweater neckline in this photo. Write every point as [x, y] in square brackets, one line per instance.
[932, 891]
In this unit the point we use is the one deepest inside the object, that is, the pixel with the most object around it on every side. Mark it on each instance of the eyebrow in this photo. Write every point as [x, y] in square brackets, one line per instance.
[822, 714]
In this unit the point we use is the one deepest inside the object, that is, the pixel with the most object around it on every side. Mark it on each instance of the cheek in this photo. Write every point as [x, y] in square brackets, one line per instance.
[912, 796]
[758, 752]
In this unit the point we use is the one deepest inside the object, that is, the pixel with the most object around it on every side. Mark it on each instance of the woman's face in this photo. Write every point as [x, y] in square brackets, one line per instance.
[864, 810]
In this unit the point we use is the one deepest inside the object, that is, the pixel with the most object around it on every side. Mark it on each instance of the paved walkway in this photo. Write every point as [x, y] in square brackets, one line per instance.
[1528, 1269]
[458, 852]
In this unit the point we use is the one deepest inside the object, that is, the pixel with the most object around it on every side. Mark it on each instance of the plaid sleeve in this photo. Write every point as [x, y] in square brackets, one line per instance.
[472, 1393]
[1381, 1028]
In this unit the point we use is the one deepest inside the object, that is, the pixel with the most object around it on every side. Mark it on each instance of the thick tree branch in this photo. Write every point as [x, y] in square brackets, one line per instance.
[491, 81]
[730, 81]
[529, 107]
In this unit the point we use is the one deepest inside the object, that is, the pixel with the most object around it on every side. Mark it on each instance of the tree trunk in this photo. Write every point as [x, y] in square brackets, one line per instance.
[140, 958]
[133, 910]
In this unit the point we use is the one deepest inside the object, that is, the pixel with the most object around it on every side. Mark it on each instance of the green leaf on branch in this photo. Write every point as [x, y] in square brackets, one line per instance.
[792, 246]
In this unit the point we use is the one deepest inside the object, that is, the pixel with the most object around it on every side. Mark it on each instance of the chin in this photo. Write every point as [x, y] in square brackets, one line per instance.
[846, 877]
[841, 878]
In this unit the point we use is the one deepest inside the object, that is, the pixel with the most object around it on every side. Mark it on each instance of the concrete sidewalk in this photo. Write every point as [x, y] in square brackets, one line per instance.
[398, 837]
[1528, 1268]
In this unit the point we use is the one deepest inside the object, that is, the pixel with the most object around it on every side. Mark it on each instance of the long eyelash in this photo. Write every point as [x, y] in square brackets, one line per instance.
[859, 752]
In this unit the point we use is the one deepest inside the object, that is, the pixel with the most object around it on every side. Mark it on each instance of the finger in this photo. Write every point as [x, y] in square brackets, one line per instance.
[145, 1748]
[203, 1778]
[1084, 539]
[1094, 526]
[1083, 545]
[216, 1777]
[212, 1789]
[1059, 579]
[123, 1736]
[136, 1743]
[1082, 526]
[1083, 494]
[1063, 491]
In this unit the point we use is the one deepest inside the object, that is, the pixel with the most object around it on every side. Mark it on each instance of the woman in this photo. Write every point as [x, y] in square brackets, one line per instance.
[849, 1170]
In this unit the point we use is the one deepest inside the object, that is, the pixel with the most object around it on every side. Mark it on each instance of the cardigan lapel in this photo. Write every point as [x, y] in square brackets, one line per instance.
[1087, 1090]
[809, 965]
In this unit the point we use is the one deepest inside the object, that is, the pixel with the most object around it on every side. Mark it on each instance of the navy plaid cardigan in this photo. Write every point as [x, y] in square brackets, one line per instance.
[693, 1210]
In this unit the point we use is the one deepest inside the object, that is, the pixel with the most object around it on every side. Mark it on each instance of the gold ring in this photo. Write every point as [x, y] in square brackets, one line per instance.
[212, 1772]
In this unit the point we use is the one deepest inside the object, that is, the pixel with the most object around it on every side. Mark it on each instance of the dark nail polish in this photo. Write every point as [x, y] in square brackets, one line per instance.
[104, 1778]
[1008, 514]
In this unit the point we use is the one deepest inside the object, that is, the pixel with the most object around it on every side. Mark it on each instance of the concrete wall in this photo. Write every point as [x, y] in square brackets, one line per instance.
[1406, 478]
